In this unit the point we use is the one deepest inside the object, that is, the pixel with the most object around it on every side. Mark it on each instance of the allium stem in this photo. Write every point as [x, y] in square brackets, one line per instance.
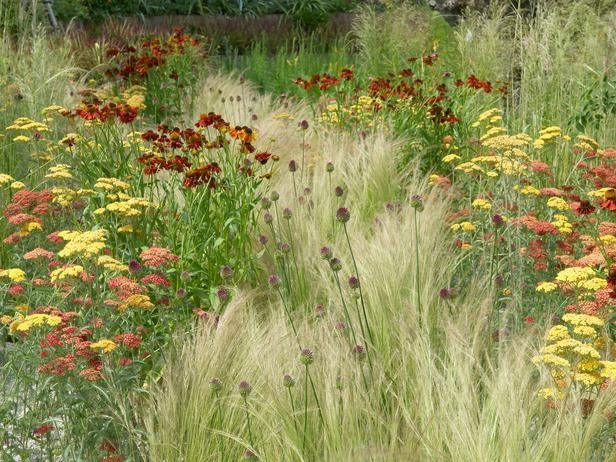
[292, 409]
[417, 278]
[250, 439]
[286, 308]
[344, 306]
[361, 294]
[293, 175]
[301, 179]
[220, 444]
[305, 409]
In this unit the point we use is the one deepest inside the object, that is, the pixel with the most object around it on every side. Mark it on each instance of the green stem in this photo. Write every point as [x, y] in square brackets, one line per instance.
[361, 294]
[305, 409]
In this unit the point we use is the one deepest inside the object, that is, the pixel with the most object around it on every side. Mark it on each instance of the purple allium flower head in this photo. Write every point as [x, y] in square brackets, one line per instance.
[353, 282]
[338, 191]
[134, 266]
[307, 191]
[335, 264]
[184, 275]
[249, 455]
[319, 311]
[288, 381]
[216, 384]
[340, 326]
[329, 167]
[306, 356]
[268, 217]
[284, 247]
[266, 203]
[180, 293]
[303, 125]
[498, 220]
[343, 215]
[244, 388]
[287, 213]
[226, 271]
[263, 239]
[274, 281]
[444, 292]
[222, 293]
[254, 117]
[417, 202]
[359, 352]
[326, 253]
[292, 166]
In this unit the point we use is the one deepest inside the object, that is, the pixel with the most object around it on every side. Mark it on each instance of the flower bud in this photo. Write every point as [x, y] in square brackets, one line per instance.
[335, 264]
[266, 203]
[216, 385]
[226, 271]
[326, 253]
[274, 281]
[343, 215]
[288, 381]
[244, 388]
[306, 357]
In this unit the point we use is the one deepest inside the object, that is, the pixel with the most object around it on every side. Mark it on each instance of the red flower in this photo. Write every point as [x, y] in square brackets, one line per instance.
[609, 203]
[43, 429]
[583, 207]
[263, 157]
[202, 176]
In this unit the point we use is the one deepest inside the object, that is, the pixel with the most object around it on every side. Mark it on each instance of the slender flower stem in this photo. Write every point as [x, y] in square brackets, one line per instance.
[305, 409]
[292, 409]
[344, 305]
[220, 445]
[417, 278]
[361, 294]
[250, 439]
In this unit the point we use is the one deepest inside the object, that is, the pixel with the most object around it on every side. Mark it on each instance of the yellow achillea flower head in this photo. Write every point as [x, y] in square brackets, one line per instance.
[5, 179]
[63, 273]
[85, 244]
[136, 301]
[60, 171]
[558, 203]
[527, 190]
[576, 319]
[608, 370]
[24, 324]
[14, 274]
[111, 264]
[104, 344]
[110, 184]
[546, 287]
[558, 333]
[465, 226]
[481, 204]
